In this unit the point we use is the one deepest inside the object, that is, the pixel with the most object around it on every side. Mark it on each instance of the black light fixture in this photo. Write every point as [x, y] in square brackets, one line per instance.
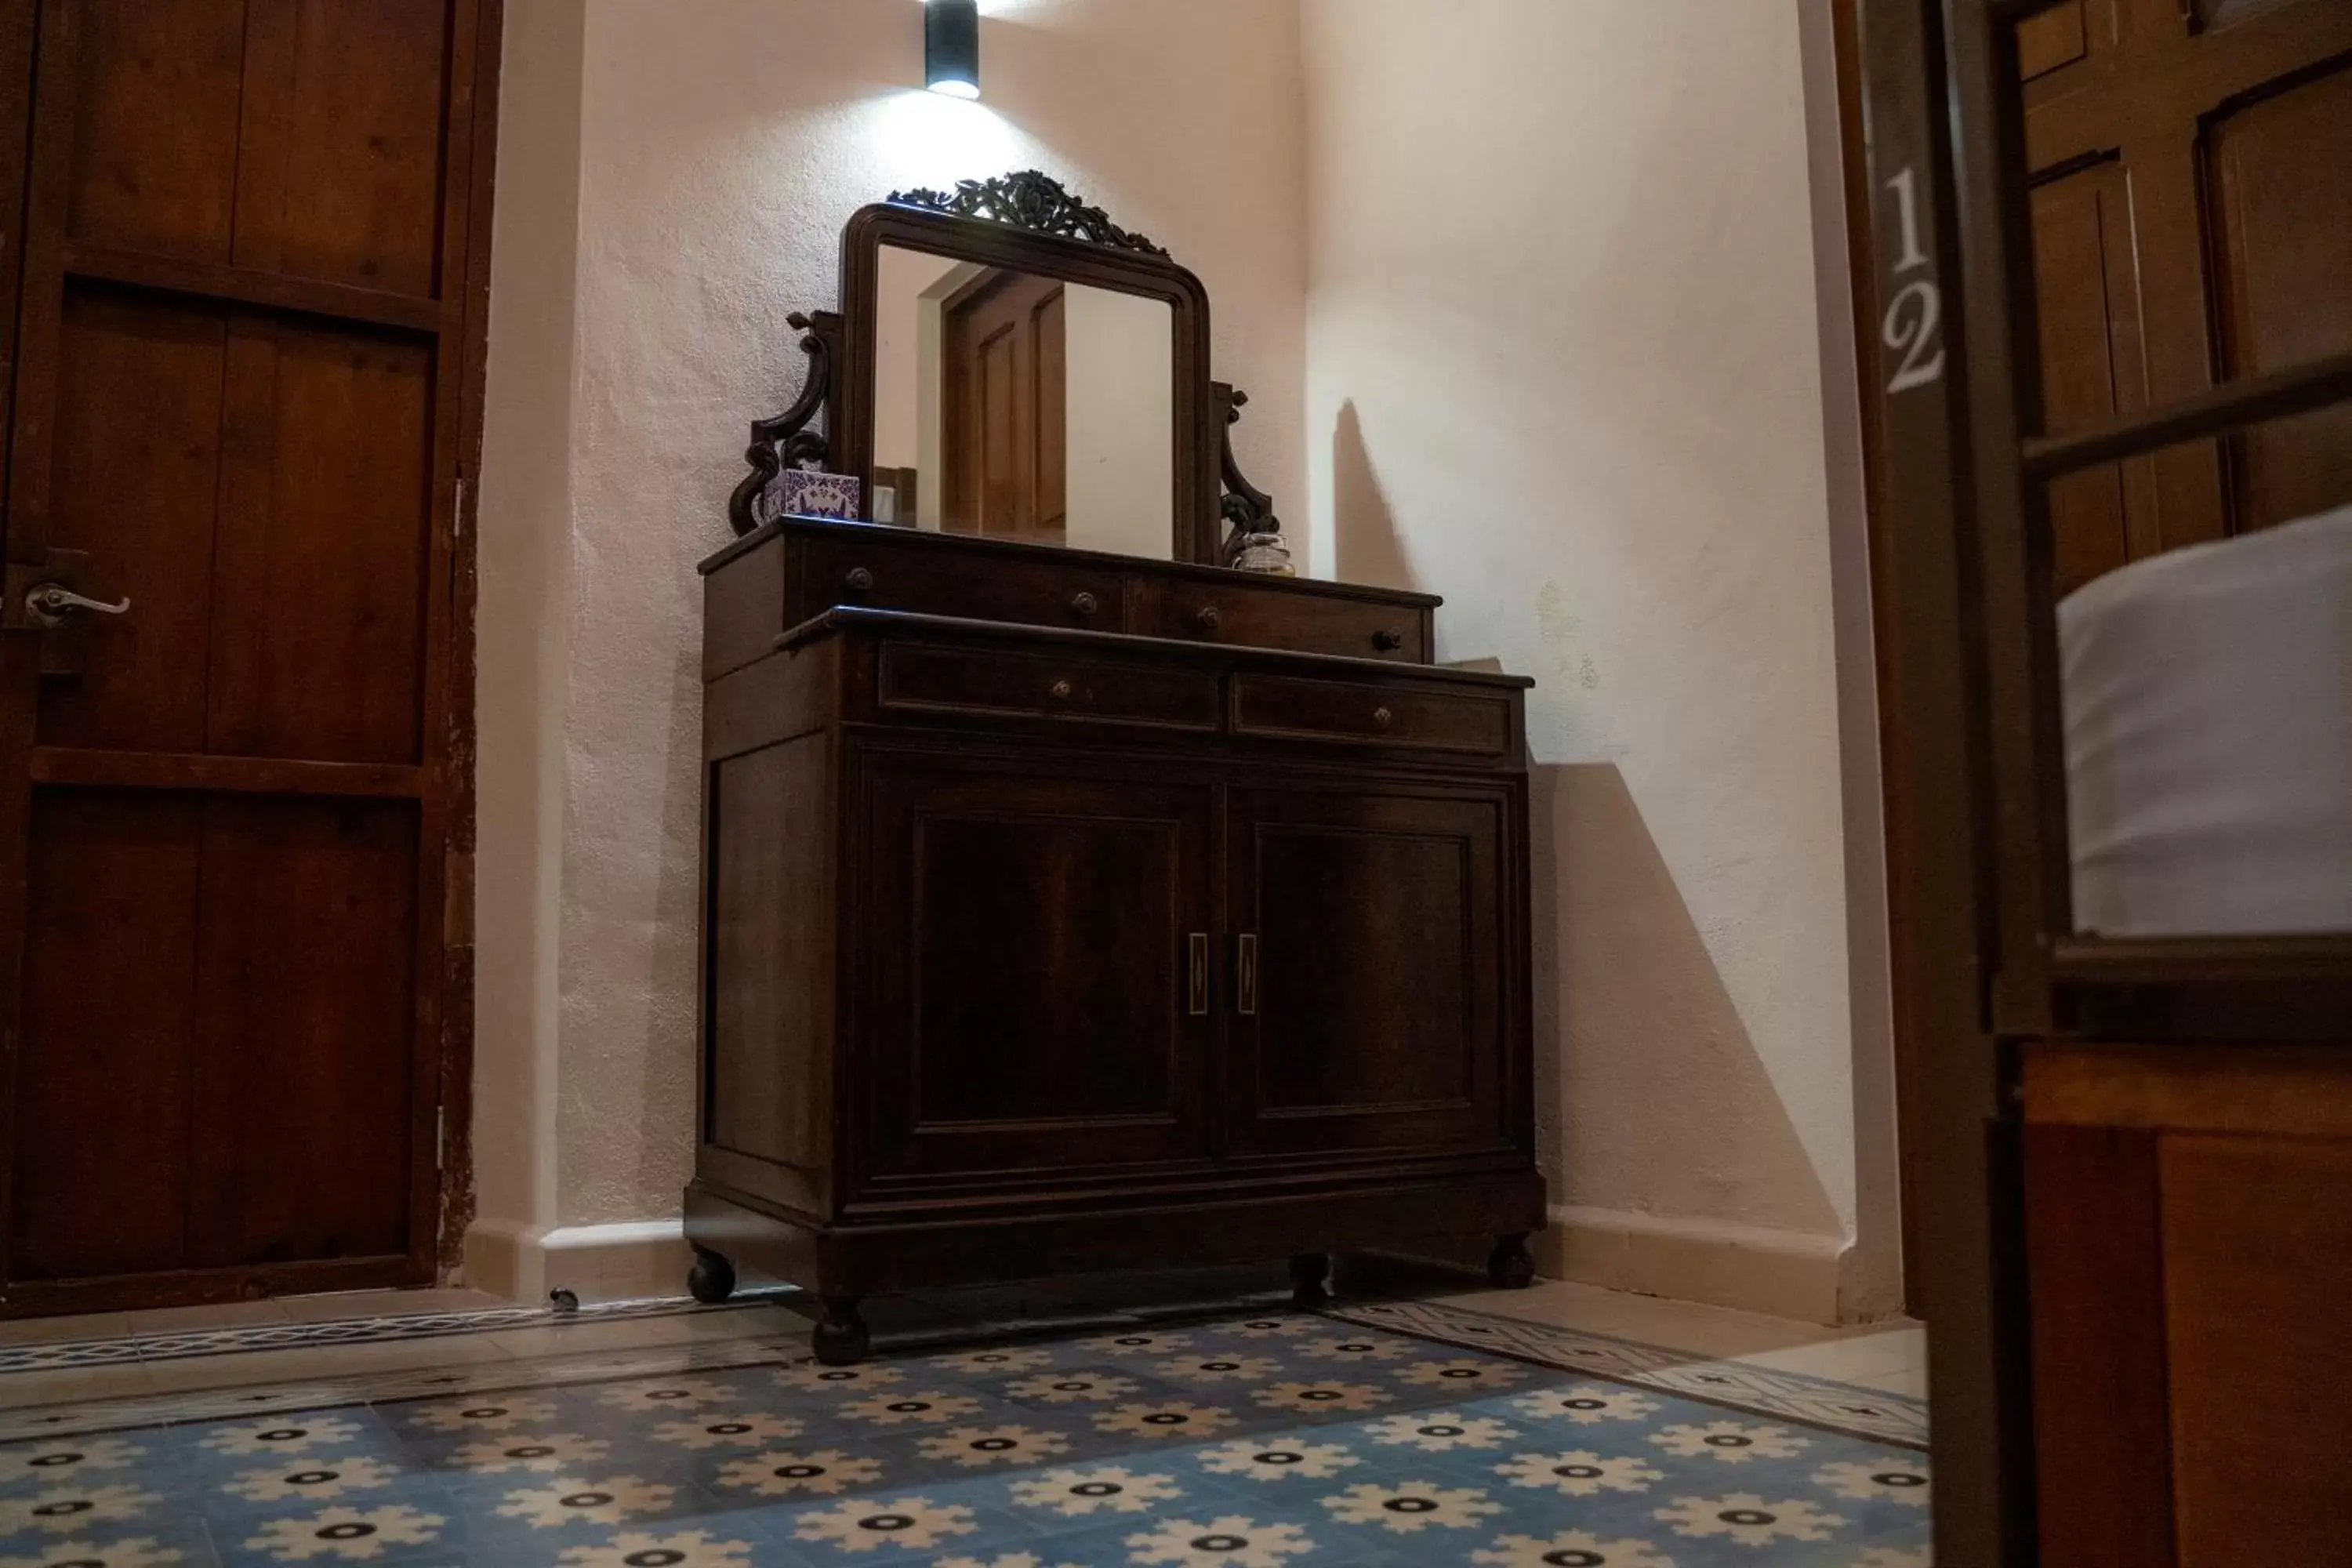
[952, 46]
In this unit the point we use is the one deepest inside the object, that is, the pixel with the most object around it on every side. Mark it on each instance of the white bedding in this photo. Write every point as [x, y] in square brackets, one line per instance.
[2209, 737]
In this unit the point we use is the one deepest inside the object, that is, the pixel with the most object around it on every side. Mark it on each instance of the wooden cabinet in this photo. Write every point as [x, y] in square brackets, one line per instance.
[1030, 948]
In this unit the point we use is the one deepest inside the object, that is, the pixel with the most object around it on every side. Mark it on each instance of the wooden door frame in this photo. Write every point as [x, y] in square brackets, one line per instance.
[1900, 808]
[1963, 1252]
[442, 1199]
[455, 1204]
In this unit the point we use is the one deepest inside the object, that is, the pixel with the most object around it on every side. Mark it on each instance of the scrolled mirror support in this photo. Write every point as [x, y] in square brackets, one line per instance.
[786, 439]
[1248, 510]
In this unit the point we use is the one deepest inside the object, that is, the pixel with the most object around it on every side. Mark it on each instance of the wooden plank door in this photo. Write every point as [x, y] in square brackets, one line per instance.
[1038, 979]
[1005, 409]
[2192, 225]
[1370, 1006]
[238, 404]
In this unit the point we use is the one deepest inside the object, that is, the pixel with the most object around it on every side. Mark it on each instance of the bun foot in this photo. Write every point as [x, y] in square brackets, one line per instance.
[840, 1336]
[1308, 1272]
[1510, 1267]
[711, 1280]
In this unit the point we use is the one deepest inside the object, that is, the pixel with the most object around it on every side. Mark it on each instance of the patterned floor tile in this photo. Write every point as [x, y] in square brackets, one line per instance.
[1277, 1440]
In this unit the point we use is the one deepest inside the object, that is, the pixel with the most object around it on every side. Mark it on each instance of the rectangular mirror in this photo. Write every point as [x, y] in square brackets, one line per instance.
[1015, 406]
[1037, 377]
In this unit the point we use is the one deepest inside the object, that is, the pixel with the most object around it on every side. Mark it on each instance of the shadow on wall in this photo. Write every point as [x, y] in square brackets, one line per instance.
[1651, 1102]
[1365, 546]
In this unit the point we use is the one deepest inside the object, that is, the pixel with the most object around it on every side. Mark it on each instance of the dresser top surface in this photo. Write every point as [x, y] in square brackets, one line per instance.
[851, 618]
[982, 550]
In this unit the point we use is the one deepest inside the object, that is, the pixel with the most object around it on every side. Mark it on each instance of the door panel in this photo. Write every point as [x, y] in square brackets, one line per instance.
[321, 655]
[347, 98]
[143, 68]
[1372, 1013]
[2281, 175]
[153, 365]
[1031, 969]
[109, 1021]
[301, 1090]
[2052, 40]
[2087, 274]
[2192, 218]
[1006, 418]
[243, 326]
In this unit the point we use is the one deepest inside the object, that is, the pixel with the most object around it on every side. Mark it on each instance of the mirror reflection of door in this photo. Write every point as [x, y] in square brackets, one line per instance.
[1006, 399]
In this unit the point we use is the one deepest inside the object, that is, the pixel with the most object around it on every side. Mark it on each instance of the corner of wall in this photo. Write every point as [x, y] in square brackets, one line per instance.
[1873, 1266]
[1754, 1268]
[525, 1263]
[523, 541]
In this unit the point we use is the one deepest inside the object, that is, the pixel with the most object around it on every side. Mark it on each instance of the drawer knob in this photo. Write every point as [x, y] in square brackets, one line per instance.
[1388, 639]
[1206, 618]
[1060, 689]
[1085, 606]
[1382, 717]
[858, 580]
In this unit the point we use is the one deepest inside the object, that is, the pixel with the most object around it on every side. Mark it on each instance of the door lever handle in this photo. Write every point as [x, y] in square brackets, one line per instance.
[48, 604]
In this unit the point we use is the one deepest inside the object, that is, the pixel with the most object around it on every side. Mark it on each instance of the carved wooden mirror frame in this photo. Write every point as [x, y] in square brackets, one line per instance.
[1025, 221]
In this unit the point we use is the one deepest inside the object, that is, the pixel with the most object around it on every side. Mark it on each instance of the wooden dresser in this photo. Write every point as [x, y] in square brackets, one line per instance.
[1065, 911]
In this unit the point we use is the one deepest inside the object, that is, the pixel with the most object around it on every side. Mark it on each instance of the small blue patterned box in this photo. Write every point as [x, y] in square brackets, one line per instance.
[811, 493]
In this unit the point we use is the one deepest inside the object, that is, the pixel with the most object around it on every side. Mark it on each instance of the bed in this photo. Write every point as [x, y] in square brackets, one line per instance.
[2208, 697]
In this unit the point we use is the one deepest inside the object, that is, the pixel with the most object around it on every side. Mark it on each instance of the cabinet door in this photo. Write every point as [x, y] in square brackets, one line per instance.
[1369, 1007]
[1037, 951]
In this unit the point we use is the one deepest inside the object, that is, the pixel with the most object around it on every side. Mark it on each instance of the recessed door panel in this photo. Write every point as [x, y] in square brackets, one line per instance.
[1033, 978]
[1367, 1007]
[2280, 181]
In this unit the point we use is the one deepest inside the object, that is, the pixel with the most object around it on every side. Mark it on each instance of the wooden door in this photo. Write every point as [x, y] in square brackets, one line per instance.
[1006, 408]
[2193, 214]
[242, 325]
[1369, 1008]
[1038, 949]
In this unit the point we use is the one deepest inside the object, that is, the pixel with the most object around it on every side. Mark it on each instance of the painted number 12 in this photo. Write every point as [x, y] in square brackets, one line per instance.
[1915, 312]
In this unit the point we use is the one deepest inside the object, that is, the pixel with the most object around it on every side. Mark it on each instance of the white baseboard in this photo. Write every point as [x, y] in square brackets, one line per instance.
[1785, 1273]
[1755, 1268]
[595, 1262]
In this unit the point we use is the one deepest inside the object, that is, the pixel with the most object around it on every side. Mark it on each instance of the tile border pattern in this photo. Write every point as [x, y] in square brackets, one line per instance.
[82, 1418]
[1893, 1419]
[125, 1350]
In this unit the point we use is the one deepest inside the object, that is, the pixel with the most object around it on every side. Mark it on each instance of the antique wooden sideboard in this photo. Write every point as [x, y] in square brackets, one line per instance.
[1032, 944]
[1071, 909]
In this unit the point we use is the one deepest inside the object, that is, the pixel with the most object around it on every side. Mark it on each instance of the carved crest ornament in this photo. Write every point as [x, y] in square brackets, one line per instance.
[1030, 200]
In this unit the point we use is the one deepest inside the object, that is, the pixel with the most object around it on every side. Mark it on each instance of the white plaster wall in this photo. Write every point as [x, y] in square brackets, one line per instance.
[906, 297]
[1119, 353]
[1564, 369]
[523, 515]
[1557, 291]
[721, 145]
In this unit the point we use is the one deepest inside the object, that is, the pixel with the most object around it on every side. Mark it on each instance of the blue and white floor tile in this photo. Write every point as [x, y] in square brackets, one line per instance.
[1410, 1434]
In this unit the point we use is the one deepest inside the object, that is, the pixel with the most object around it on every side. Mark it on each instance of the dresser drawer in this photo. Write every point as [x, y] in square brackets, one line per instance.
[1367, 714]
[1242, 614]
[879, 573]
[915, 677]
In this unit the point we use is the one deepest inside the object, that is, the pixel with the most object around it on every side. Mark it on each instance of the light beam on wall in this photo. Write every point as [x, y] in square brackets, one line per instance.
[952, 46]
